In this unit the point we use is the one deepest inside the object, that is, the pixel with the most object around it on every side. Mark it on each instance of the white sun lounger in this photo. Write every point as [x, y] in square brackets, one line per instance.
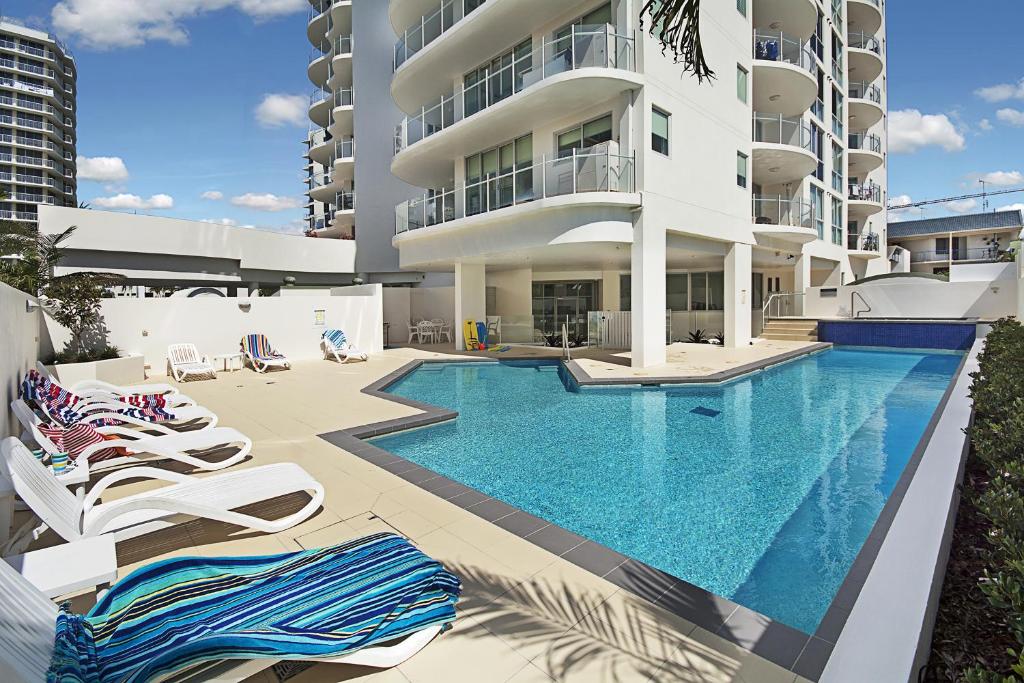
[143, 448]
[88, 387]
[184, 360]
[334, 343]
[27, 628]
[211, 497]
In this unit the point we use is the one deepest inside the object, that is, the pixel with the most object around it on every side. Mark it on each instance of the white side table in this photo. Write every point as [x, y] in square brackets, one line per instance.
[228, 360]
[69, 567]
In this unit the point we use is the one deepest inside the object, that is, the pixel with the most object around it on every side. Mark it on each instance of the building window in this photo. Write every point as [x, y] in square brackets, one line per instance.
[741, 169]
[837, 221]
[497, 79]
[500, 177]
[583, 137]
[818, 210]
[741, 83]
[741, 7]
[659, 131]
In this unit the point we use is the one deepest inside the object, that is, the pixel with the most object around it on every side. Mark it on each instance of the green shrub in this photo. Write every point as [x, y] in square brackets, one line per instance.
[70, 355]
[998, 440]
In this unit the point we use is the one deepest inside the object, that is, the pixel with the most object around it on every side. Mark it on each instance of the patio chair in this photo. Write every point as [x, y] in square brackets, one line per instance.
[184, 360]
[427, 331]
[88, 386]
[444, 331]
[106, 447]
[261, 355]
[216, 497]
[494, 327]
[378, 601]
[67, 408]
[414, 331]
[92, 389]
[334, 343]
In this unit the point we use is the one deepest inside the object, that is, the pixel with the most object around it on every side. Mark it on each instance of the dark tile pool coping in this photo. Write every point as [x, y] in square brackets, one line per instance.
[803, 654]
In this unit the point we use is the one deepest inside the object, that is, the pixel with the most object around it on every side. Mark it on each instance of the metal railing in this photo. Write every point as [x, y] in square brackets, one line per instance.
[343, 45]
[585, 47]
[26, 49]
[990, 253]
[876, 3]
[859, 90]
[430, 27]
[345, 201]
[818, 109]
[783, 305]
[318, 7]
[859, 40]
[865, 192]
[781, 130]
[866, 242]
[345, 148]
[865, 142]
[775, 46]
[782, 211]
[595, 170]
[27, 87]
[344, 97]
[28, 104]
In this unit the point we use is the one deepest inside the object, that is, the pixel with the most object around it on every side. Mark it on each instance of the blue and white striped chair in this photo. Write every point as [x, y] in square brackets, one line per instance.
[335, 343]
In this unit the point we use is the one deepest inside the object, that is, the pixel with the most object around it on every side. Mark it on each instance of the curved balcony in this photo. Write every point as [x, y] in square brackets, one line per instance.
[323, 14]
[344, 160]
[785, 79]
[864, 15]
[320, 105]
[796, 17]
[864, 105]
[865, 152]
[427, 65]
[864, 200]
[782, 149]
[866, 246]
[594, 177]
[864, 52]
[342, 114]
[324, 187]
[784, 219]
[321, 147]
[340, 221]
[588, 67]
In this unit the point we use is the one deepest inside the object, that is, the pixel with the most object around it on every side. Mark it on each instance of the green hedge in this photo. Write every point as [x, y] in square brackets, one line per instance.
[998, 440]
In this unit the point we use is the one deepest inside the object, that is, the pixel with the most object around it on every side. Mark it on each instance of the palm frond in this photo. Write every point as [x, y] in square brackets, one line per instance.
[676, 24]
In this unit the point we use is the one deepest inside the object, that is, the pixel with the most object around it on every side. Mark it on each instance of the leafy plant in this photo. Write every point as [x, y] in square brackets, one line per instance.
[698, 337]
[719, 338]
[87, 356]
[676, 24]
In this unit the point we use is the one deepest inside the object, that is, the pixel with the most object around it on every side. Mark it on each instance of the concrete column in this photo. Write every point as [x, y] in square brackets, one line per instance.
[470, 298]
[648, 294]
[801, 281]
[610, 290]
[738, 263]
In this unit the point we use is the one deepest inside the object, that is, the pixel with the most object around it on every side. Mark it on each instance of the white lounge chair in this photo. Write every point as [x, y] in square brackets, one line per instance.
[142, 448]
[89, 388]
[210, 497]
[261, 355]
[184, 360]
[334, 343]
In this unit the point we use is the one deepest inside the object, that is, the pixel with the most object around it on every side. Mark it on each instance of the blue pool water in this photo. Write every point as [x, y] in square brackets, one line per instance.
[764, 495]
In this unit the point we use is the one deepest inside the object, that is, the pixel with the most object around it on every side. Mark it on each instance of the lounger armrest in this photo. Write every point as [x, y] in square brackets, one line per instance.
[128, 419]
[129, 474]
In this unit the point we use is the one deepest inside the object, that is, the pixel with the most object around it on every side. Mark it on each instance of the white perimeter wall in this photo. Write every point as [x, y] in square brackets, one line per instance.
[927, 299]
[982, 272]
[23, 340]
[216, 325]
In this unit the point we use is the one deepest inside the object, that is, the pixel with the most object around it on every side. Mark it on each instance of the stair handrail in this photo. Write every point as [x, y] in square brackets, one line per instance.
[766, 309]
[565, 341]
[853, 312]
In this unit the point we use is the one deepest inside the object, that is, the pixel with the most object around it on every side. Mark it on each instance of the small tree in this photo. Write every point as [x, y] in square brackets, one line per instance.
[74, 302]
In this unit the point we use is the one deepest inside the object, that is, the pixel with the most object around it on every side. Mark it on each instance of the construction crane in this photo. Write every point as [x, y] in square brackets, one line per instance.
[945, 200]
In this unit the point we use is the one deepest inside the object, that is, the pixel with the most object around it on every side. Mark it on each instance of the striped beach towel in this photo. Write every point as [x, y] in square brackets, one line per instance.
[337, 338]
[306, 605]
[258, 346]
[69, 408]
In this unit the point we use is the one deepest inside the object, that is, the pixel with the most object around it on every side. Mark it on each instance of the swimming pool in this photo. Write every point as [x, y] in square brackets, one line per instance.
[761, 490]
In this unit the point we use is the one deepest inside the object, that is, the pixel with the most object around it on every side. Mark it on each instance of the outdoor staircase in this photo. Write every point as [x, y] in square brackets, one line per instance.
[791, 329]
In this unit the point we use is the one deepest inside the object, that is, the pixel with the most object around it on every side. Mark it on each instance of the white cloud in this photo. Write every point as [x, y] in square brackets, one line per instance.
[1014, 117]
[266, 202]
[213, 195]
[897, 215]
[1011, 207]
[106, 24]
[910, 130]
[1004, 178]
[278, 110]
[134, 201]
[101, 169]
[961, 205]
[985, 124]
[1002, 92]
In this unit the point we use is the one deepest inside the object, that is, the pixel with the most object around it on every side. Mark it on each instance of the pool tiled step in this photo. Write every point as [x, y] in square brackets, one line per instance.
[791, 329]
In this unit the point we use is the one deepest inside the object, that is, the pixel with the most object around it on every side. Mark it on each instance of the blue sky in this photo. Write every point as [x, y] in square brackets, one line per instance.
[174, 89]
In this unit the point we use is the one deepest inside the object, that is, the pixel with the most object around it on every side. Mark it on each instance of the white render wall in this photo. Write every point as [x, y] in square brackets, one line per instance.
[217, 325]
[926, 299]
[24, 341]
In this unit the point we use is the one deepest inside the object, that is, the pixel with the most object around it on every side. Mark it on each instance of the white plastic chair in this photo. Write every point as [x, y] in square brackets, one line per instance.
[494, 327]
[95, 394]
[444, 331]
[414, 331]
[143, 448]
[212, 497]
[184, 360]
[427, 332]
[343, 351]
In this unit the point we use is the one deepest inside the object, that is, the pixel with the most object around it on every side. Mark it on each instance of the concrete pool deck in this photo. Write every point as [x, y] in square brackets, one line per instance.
[526, 614]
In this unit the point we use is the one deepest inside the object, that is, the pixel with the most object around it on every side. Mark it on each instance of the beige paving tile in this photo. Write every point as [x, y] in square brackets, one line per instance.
[411, 524]
[530, 674]
[747, 666]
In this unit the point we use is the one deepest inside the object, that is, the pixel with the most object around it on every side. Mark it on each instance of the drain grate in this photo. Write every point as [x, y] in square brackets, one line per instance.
[706, 412]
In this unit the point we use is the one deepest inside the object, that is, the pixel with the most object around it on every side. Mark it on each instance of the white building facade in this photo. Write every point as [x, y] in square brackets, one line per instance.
[38, 88]
[938, 244]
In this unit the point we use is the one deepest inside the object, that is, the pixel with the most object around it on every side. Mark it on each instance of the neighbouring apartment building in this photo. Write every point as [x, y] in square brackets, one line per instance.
[37, 122]
[567, 166]
[935, 244]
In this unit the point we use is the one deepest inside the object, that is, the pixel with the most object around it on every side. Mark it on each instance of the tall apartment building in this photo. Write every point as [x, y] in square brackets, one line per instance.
[37, 122]
[350, 67]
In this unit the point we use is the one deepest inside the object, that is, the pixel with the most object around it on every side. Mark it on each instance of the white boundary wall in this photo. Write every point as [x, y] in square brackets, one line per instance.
[216, 325]
[23, 340]
[925, 299]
